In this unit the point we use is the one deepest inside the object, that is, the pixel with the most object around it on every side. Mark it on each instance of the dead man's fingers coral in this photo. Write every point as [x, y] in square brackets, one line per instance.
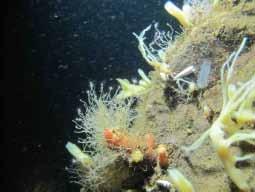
[131, 89]
[179, 14]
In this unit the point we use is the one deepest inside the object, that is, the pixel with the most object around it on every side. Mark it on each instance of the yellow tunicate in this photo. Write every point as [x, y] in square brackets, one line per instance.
[136, 156]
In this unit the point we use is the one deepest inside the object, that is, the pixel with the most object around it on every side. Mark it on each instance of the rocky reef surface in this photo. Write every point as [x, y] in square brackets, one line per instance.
[168, 111]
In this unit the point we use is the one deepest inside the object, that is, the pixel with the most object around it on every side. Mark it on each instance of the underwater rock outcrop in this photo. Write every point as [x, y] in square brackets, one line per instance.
[187, 126]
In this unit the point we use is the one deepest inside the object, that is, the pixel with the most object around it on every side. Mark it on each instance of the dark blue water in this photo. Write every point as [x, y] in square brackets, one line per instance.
[52, 49]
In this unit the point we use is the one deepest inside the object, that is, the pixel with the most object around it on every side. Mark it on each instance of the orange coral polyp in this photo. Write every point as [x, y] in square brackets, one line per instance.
[150, 144]
[116, 139]
[163, 159]
[108, 135]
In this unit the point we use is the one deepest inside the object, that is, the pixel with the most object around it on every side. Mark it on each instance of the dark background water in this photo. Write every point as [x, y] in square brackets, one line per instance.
[52, 49]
